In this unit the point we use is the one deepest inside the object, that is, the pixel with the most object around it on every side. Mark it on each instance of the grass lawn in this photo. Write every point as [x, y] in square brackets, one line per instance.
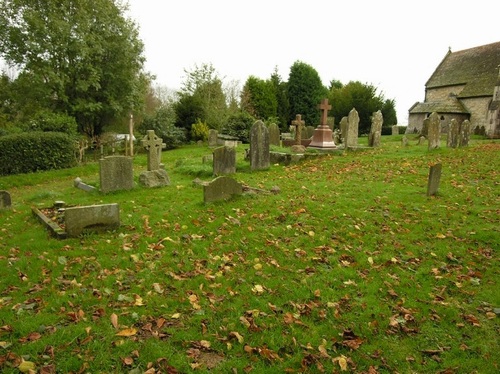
[350, 267]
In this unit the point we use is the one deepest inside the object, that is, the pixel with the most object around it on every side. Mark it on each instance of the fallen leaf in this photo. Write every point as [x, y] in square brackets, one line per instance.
[127, 332]
[26, 367]
[114, 320]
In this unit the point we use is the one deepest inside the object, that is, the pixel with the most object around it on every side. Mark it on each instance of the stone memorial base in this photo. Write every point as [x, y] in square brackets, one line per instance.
[322, 138]
[154, 178]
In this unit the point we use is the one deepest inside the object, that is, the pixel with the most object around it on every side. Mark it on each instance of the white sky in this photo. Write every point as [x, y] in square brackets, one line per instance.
[394, 45]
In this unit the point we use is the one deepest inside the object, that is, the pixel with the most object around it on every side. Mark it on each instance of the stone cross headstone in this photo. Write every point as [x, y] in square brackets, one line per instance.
[116, 173]
[259, 146]
[323, 135]
[465, 129]
[5, 200]
[224, 160]
[212, 137]
[154, 146]
[352, 129]
[376, 129]
[221, 188]
[434, 135]
[434, 179]
[299, 124]
[274, 134]
[155, 176]
[453, 134]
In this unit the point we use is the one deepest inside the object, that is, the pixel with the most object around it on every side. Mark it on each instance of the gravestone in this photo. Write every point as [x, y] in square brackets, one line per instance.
[395, 130]
[465, 129]
[425, 127]
[376, 129]
[224, 160]
[299, 124]
[153, 145]
[155, 176]
[212, 138]
[351, 139]
[116, 174]
[434, 132]
[434, 179]
[404, 141]
[343, 129]
[5, 200]
[453, 134]
[259, 146]
[91, 218]
[221, 188]
[274, 134]
[421, 140]
[83, 186]
[323, 135]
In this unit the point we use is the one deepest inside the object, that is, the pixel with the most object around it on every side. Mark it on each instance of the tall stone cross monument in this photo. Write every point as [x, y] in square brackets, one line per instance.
[323, 135]
[153, 145]
[299, 123]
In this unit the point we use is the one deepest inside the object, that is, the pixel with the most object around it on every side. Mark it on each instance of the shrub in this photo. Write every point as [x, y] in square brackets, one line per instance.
[48, 121]
[35, 151]
[239, 125]
[199, 131]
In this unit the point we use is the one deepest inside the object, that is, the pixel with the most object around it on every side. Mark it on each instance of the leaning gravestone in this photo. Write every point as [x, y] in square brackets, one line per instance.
[376, 129]
[259, 146]
[434, 179]
[116, 174]
[221, 188]
[212, 137]
[434, 135]
[453, 134]
[5, 200]
[352, 129]
[465, 129]
[274, 134]
[224, 160]
[155, 176]
[92, 217]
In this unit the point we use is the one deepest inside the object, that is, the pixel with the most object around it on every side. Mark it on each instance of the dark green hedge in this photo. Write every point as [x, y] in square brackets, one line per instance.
[35, 151]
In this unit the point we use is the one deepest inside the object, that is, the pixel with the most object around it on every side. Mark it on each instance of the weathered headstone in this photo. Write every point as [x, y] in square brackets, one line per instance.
[155, 176]
[425, 127]
[93, 217]
[343, 129]
[376, 129]
[116, 173]
[453, 134]
[465, 130]
[421, 140]
[395, 130]
[221, 188]
[212, 138]
[352, 130]
[259, 146]
[323, 134]
[434, 136]
[274, 134]
[224, 160]
[299, 124]
[5, 200]
[434, 179]
[404, 141]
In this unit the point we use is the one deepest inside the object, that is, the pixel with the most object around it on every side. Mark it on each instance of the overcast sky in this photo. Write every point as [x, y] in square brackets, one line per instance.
[394, 45]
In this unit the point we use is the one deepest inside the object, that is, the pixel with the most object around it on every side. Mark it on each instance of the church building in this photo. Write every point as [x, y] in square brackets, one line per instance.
[465, 85]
